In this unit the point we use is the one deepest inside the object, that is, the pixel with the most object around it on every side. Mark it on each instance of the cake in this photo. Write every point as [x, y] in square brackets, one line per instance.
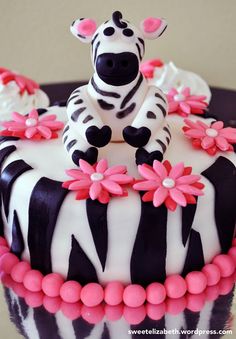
[137, 197]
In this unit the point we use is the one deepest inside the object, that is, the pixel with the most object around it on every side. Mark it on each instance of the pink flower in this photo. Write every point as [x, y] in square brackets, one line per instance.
[32, 126]
[24, 83]
[169, 185]
[147, 68]
[98, 181]
[183, 103]
[211, 138]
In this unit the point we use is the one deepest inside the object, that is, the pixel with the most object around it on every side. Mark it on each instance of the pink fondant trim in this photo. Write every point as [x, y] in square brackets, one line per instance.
[35, 285]
[151, 25]
[86, 27]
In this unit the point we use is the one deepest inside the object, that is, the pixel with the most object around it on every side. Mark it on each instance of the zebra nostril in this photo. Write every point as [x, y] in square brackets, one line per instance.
[110, 63]
[124, 63]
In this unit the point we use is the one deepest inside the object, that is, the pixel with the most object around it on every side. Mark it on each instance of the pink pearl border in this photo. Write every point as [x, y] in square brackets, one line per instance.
[133, 295]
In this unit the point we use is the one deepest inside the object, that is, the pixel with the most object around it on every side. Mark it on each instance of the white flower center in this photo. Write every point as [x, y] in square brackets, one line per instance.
[96, 176]
[211, 132]
[31, 122]
[179, 97]
[168, 183]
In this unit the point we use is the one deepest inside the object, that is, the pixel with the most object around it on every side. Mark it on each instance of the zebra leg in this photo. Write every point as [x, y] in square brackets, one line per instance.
[77, 147]
[155, 148]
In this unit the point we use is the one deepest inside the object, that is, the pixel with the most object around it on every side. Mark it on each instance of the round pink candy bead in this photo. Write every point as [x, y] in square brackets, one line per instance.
[134, 295]
[33, 280]
[71, 311]
[52, 305]
[225, 263]
[212, 274]
[175, 286]
[212, 292]
[156, 293]
[3, 250]
[226, 285]
[34, 299]
[70, 291]
[195, 302]
[7, 262]
[51, 284]
[196, 282]
[113, 293]
[93, 315]
[19, 271]
[134, 315]
[92, 294]
[113, 313]
[232, 254]
[3, 242]
[156, 312]
[175, 306]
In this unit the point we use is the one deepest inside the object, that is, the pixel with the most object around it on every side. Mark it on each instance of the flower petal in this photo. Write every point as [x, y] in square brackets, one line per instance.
[45, 131]
[177, 171]
[147, 185]
[222, 143]
[148, 196]
[159, 196]
[33, 114]
[104, 197]
[112, 187]
[178, 197]
[119, 169]
[18, 117]
[86, 167]
[147, 173]
[190, 189]
[53, 125]
[101, 166]
[30, 132]
[185, 107]
[195, 133]
[95, 190]
[170, 204]
[172, 106]
[160, 169]
[196, 104]
[188, 179]
[82, 184]
[217, 125]
[50, 117]
[229, 134]
[186, 91]
[82, 194]
[77, 174]
[207, 142]
[121, 178]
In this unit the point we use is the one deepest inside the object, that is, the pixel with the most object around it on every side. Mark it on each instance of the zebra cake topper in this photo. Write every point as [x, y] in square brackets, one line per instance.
[117, 105]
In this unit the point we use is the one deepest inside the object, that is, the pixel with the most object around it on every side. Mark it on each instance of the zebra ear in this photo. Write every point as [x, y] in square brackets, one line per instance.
[152, 28]
[83, 29]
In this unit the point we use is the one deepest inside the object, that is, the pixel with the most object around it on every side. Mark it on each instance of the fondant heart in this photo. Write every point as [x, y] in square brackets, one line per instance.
[136, 137]
[151, 25]
[90, 156]
[144, 157]
[98, 137]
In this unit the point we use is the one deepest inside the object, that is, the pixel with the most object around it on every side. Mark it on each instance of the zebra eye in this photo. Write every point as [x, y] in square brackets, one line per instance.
[128, 32]
[109, 31]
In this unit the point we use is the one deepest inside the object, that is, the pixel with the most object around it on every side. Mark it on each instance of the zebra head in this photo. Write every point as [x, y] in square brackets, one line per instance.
[117, 47]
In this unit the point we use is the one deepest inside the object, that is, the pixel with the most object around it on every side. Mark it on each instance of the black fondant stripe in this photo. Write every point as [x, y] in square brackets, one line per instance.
[222, 174]
[46, 324]
[148, 261]
[24, 308]
[45, 203]
[97, 218]
[161, 143]
[41, 111]
[82, 328]
[105, 105]
[126, 111]
[167, 131]
[75, 115]
[139, 51]
[66, 129]
[191, 320]
[188, 214]
[71, 144]
[157, 95]
[71, 98]
[104, 93]
[96, 51]
[64, 140]
[95, 37]
[9, 138]
[8, 177]
[195, 259]
[105, 332]
[87, 119]
[79, 101]
[17, 244]
[167, 140]
[149, 324]
[162, 109]
[151, 115]
[80, 267]
[132, 92]
[142, 42]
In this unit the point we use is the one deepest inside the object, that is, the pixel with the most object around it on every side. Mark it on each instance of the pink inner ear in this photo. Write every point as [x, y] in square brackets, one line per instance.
[151, 25]
[86, 27]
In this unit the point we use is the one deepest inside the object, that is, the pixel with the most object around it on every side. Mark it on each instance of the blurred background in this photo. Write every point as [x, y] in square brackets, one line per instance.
[35, 38]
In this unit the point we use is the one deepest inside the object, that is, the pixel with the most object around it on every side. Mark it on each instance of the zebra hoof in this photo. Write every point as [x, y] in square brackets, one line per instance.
[98, 137]
[144, 157]
[136, 137]
[90, 156]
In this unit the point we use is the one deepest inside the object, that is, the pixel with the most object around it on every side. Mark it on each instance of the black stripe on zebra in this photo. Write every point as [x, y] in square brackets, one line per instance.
[166, 129]
[94, 38]
[162, 109]
[41, 111]
[157, 95]
[75, 115]
[87, 119]
[64, 140]
[122, 114]
[188, 214]
[96, 51]
[17, 244]
[46, 324]
[45, 203]
[139, 52]
[191, 320]
[167, 140]
[105, 332]
[82, 328]
[79, 101]
[8, 177]
[71, 144]
[8, 138]
[222, 175]
[142, 42]
[66, 129]
[4, 153]
[194, 259]
[148, 260]
[105, 105]
[80, 267]
[161, 143]
[97, 218]
[132, 92]
[104, 93]
[151, 115]
[71, 98]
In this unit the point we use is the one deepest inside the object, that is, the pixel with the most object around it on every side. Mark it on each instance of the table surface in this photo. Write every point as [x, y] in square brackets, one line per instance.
[222, 106]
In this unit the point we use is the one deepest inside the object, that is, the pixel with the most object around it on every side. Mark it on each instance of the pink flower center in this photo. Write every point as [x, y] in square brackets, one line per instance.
[96, 176]
[31, 122]
[168, 183]
[179, 97]
[211, 132]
